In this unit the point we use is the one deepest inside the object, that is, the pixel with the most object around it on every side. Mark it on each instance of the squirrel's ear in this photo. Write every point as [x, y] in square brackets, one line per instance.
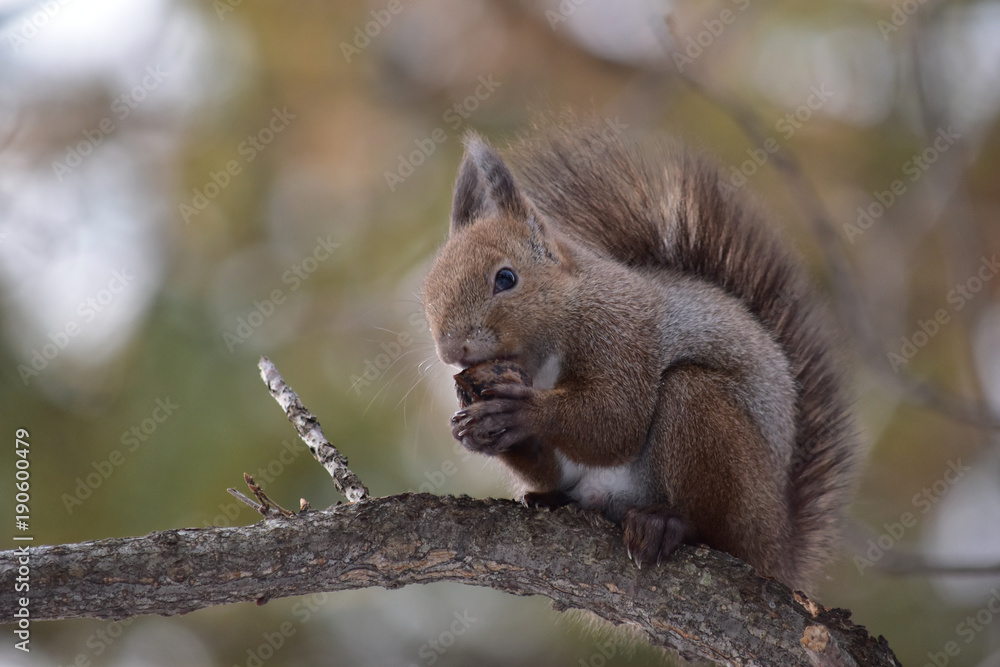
[485, 185]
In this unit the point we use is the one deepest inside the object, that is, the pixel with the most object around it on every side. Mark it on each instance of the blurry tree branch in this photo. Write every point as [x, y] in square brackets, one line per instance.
[855, 311]
[905, 563]
[701, 603]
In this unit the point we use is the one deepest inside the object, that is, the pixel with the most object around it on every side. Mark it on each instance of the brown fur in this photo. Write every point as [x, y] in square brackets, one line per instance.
[731, 450]
[615, 251]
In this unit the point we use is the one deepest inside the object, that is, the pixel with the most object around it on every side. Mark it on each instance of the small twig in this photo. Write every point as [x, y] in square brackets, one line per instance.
[308, 428]
[265, 502]
[239, 496]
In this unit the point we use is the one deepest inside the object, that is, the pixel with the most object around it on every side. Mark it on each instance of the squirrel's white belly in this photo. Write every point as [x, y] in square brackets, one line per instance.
[595, 487]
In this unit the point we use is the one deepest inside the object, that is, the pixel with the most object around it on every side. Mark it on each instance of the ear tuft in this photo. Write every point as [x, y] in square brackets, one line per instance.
[485, 185]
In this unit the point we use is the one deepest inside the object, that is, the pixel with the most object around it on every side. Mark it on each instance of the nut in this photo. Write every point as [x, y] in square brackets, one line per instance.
[471, 382]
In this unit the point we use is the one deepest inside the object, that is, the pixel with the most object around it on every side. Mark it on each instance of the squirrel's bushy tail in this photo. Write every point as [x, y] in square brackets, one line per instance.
[721, 240]
[679, 215]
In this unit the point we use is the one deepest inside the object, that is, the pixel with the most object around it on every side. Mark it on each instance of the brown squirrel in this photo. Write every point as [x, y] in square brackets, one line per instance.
[680, 382]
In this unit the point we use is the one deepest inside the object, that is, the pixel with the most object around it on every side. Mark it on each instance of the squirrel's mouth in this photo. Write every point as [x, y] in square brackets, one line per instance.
[544, 376]
[467, 363]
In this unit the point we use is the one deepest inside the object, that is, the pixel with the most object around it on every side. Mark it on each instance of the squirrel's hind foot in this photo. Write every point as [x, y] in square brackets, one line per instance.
[652, 532]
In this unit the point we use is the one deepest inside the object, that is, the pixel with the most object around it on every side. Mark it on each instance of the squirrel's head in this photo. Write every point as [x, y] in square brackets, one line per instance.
[496, 285]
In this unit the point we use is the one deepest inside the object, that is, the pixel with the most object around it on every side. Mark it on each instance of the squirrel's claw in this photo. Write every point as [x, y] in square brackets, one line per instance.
[495, 425]
[652, 532]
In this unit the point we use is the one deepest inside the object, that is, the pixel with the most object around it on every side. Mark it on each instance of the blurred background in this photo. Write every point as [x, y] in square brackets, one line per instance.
[185, 186]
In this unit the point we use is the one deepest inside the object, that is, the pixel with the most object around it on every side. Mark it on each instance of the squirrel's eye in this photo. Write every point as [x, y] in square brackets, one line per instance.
[505, 279]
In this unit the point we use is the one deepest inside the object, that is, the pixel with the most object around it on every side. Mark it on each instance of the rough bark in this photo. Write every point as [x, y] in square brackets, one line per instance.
[701, 603]
[308, 428]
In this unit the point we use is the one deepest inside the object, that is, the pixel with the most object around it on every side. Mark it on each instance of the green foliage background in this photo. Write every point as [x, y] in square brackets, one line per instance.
[361, 105]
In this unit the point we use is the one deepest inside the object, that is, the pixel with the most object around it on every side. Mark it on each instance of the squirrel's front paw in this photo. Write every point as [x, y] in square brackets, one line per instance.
[498, 422]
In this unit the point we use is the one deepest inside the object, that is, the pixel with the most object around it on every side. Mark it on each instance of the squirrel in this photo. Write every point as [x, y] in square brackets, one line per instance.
[681, 382]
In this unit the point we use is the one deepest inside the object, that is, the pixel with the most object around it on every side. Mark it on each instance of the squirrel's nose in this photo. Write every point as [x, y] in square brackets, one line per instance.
[461, 352]
[453, 350]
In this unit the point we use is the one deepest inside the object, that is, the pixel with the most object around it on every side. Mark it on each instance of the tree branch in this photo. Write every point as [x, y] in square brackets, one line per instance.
[701, 603]
[308, 428]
